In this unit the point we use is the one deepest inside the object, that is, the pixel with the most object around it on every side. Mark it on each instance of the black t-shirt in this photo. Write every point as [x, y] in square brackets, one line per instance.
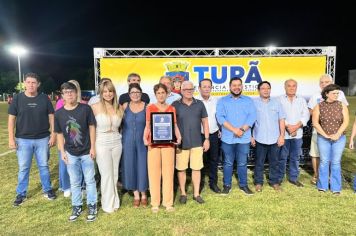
[74, 124]
[125, 97]
[31, 115]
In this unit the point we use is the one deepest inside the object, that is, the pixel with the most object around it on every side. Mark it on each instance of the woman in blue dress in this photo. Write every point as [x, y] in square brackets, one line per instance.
[134, 159]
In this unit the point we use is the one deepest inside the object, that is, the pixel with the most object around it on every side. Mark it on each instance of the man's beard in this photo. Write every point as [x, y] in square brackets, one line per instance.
[235, 94]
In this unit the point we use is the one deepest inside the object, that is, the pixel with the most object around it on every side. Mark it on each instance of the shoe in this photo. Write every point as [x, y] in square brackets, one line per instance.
[183, 199]
[198, 199]
[66, 193]
[226, 190]
[215, 188]
[50, 195]
[76, 212]
[246, 190]
[19, 200]
[296, 183]
[321, 190]
[313, 180]
[258, 188]
[92, 211]
[144, 202]
[336, 193]
[277, 187]
[136, 203]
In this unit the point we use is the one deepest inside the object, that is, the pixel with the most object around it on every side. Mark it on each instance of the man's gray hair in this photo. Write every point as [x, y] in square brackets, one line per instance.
[186, 82]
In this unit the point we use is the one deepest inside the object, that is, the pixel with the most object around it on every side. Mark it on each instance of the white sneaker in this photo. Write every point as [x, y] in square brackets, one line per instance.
[66, 193]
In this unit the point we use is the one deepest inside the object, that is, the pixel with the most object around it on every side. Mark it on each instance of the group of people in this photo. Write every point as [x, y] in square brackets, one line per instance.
[116, 132]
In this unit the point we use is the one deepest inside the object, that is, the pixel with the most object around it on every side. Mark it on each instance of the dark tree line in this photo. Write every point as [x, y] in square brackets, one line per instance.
[9, 80]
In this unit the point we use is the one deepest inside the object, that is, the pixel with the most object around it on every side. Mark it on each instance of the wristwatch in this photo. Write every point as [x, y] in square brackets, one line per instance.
[243, 130]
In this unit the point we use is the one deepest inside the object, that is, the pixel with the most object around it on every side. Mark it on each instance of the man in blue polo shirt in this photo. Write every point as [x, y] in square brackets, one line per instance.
[236, 114]
[268, 135]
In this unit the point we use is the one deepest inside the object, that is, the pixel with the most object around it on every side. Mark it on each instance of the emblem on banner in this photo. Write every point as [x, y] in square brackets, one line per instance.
[177, 70]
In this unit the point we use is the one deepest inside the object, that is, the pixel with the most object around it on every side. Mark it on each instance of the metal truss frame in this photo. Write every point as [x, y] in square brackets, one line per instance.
[328, 51]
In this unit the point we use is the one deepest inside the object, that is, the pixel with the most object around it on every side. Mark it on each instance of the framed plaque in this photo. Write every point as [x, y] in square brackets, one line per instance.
[162, 127]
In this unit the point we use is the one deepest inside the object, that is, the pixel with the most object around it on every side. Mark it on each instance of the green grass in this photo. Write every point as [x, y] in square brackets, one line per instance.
[294, 211]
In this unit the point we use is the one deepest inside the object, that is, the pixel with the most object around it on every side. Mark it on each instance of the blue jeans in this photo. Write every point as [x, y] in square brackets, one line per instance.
[79, 166]
[26, 148]
[271, 152]
[330, 159]
[238, 152]
[64, 182]
[292, 148]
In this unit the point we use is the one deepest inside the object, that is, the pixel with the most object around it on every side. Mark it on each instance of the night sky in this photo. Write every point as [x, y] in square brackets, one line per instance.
[61, 35]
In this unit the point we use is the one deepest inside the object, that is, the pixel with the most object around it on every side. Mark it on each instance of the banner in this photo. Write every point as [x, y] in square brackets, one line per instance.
[252, 70]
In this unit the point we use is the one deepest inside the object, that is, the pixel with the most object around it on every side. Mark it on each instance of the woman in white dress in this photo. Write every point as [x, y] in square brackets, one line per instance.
[108, 145]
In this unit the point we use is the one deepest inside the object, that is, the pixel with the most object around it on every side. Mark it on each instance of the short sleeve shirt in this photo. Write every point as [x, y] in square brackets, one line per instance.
[74, 125]
[31, 113]
[189, 120]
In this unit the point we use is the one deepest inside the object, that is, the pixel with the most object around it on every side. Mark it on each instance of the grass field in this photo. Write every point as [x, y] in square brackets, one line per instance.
[294, 211]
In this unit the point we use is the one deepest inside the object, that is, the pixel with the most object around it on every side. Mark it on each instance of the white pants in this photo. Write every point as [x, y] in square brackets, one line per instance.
[108, 154]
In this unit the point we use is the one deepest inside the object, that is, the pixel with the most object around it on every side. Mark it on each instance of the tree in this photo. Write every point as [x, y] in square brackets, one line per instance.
[20, 87]
[85, 77]
[48, 84]
[8, 81]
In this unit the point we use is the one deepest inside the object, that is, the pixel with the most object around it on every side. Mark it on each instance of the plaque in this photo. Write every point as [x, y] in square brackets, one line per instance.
[162, 128]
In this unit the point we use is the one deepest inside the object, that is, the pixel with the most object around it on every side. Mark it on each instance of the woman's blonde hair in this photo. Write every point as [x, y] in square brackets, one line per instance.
[79, 91]
[109, 86]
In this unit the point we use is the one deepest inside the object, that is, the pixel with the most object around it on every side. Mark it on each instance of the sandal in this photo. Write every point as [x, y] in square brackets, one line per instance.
[154, 209]
[170, 209]
[314, 180]
[144, 202]
[136, 203]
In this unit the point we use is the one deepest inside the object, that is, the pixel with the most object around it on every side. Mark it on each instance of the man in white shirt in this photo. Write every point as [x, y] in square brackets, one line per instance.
[212, 155]
[324, 81]
[297, 116]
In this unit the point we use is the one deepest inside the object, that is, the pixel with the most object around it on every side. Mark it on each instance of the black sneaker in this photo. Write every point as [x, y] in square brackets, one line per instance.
[198, 199]
[19, 200]
[246, 190]
[215, 188]
[296, 183]
[226, 190]
[92, 211]
[76, 212]
[50, 195]
[183, 199]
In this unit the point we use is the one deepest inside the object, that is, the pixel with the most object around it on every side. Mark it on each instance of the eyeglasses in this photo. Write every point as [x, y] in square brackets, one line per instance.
[69, 91]
[135, 93]
[188, 90]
